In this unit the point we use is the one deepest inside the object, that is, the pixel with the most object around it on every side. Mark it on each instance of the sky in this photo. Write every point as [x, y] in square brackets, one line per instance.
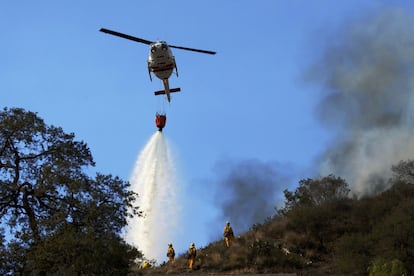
[252, 111]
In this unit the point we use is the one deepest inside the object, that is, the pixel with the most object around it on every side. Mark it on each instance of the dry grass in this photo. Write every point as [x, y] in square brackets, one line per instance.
[256, 251]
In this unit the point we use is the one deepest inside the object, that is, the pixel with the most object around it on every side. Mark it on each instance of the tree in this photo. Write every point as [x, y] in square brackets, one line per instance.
[44, 191]
[404, 171]
[314, 192]
[317, 208]
[394, 232]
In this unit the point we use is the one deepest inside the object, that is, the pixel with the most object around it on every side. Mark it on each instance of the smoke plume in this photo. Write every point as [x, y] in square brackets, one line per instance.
[249, 191]
[367, 76]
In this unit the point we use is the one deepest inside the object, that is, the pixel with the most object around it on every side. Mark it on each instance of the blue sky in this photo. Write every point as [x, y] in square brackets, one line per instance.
[248, 102]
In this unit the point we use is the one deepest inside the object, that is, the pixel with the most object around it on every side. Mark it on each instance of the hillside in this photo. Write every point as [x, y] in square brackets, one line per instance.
[260, 250]
[337, 236]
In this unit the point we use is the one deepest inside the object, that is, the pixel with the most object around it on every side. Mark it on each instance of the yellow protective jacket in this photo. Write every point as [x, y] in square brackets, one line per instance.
[192, 252]
[170, 252]
[228, 232]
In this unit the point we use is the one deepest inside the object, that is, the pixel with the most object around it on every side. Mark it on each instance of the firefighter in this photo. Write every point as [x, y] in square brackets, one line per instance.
[145, 265]
[192, 253]
[170, 253]
[228, 234]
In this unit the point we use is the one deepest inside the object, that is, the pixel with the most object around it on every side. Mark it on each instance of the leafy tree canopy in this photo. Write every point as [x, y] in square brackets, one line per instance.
[314, 192]
[45, 194]
[404, 171]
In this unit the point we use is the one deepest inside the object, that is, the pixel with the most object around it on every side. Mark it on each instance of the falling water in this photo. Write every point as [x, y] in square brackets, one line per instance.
[154, 178]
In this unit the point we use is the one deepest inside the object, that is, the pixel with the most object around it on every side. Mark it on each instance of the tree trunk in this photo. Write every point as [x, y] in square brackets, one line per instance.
[31, 215]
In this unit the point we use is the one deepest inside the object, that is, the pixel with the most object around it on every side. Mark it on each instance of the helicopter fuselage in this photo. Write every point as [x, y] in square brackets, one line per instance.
[161, 61]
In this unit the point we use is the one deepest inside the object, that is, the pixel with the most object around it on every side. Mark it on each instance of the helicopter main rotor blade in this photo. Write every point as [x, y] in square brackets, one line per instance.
[130, 37]
[192, 49]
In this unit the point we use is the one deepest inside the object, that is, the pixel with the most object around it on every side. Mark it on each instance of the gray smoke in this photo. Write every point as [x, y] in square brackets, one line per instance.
[368, 83]
[249, 191]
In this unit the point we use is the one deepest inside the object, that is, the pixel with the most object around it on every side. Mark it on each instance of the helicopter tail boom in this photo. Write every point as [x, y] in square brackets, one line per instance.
[167, 91]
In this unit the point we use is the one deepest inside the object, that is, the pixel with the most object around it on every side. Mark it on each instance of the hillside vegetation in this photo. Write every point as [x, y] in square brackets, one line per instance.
[321, 231]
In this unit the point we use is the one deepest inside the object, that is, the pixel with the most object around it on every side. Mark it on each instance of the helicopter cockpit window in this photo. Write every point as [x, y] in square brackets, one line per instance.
[164, 47]
[153, 48]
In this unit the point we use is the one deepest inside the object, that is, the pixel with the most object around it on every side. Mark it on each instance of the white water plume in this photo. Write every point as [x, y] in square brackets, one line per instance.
[154, 178]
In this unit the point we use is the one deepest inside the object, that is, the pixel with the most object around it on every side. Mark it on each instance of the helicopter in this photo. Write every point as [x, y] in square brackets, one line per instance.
[161, 61]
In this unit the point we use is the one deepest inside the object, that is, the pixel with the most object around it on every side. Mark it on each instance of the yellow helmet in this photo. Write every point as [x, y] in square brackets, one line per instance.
[192, 245]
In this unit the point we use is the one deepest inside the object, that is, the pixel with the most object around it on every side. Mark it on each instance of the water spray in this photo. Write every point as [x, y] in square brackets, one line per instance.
[154, 178]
